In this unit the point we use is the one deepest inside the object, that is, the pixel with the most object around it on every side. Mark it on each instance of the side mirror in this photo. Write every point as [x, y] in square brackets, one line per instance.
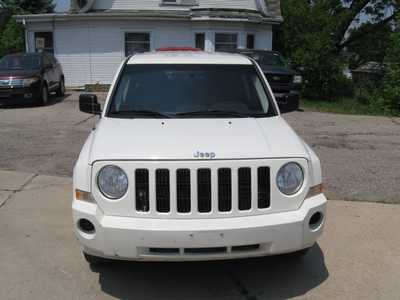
[289, 103]
[88, 104]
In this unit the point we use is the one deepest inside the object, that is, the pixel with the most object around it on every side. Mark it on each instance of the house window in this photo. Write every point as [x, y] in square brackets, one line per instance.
[44, 42]
[137, 42]
[200, 41]
[250, 41]
[226, 41]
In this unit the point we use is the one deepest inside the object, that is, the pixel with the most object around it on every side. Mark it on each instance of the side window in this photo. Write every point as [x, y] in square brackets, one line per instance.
[136, 42]
[226, 41]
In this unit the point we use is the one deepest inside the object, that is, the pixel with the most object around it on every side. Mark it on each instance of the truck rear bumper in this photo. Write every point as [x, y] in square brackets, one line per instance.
[193, 239]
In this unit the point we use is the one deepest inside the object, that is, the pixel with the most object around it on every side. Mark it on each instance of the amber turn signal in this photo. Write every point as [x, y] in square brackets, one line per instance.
[84, 196]
[316, 190]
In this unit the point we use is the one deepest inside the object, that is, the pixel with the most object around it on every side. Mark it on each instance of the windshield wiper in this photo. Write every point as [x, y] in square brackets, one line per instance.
[220, 113]
[136, 113]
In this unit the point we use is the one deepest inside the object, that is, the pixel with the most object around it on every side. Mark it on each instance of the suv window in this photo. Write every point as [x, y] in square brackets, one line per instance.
[20, 62]
[188, 90]
[267, 58]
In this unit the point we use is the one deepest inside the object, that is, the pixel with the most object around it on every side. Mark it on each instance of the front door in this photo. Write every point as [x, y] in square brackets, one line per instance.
[44, 42]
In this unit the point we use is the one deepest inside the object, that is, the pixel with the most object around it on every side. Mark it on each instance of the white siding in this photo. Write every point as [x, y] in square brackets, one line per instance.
[91, 52]
[155, 4]
[73, 52]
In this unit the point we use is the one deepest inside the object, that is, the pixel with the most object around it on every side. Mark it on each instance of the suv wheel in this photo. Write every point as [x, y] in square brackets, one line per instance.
[44, 96]
[61, 88]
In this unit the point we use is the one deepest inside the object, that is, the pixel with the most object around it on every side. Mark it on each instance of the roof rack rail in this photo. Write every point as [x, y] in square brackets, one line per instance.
[165, 49]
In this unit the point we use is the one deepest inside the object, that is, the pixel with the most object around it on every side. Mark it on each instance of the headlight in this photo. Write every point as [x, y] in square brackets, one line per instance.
[29, 81]
[112, 182]
[290, 179]
[297, 79]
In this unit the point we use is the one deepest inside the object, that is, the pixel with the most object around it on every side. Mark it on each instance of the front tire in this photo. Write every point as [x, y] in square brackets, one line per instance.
[95, 260]
[61, 88]
[44, 96]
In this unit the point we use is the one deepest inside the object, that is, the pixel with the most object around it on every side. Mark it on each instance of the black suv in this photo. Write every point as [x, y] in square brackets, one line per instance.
[29, 78]
[284, 82]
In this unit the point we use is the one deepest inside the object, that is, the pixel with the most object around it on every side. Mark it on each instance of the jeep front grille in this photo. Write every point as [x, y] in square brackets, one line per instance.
[180, 184]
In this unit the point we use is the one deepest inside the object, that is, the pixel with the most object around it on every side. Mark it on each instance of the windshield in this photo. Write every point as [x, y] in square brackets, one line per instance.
[268, 58]
[20, 63]
[178, 91]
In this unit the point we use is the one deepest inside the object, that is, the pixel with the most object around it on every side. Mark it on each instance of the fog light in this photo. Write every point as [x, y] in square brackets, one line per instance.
[316, 220]
[315, 191]
[86, 226]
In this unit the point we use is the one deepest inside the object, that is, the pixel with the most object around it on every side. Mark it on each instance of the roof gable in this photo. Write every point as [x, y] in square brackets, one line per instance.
[270, 8]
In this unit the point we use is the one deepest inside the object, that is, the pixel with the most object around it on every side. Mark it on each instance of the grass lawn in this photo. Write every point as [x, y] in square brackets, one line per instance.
[340, 106]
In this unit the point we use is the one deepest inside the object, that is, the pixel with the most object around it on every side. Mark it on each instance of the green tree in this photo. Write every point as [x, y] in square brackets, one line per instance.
[12, 38]
[11, 33]
[28, 6]
[315, 33]
[387, 99]
[371, 47]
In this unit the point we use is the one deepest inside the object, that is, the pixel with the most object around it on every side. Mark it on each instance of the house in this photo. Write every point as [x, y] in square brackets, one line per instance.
[92, 39]
[370, 73]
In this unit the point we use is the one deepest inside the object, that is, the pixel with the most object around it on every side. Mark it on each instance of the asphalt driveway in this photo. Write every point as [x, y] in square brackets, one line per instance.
[360, 155]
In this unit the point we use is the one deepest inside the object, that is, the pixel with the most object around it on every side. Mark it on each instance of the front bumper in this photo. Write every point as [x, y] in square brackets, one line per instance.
[289, 101]
[146, 239]
[19, 95]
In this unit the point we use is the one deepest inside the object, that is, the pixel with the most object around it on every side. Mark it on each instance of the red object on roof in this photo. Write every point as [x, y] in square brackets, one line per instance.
[178, 49]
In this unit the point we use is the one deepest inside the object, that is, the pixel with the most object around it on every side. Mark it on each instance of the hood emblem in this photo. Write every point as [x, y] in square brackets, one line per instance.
[204, 155]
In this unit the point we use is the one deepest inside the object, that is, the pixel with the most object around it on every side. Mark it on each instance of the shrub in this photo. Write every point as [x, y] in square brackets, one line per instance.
[387, 98]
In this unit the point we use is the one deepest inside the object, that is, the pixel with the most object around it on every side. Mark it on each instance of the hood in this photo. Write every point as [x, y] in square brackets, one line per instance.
[5, 74]
[185, 139]
[277, 70]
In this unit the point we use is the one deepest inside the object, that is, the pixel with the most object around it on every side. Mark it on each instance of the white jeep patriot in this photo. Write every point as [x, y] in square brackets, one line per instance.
[191, 160]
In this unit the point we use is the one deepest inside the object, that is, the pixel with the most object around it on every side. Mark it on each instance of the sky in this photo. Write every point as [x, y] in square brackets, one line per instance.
[62, 5]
